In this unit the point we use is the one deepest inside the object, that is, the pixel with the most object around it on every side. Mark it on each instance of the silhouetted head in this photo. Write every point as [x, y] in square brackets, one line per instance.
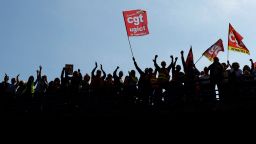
[121, 74]
[206, 70]
[150, 70]
[146, 70]
[6, 78]
[109, 76]
[75, 74]
[98, 73]
[56, 81]
[163, 64]
[44, 78]
[132, 73]
[216, 59]
[246, 68]
[178, 68]
[30, 79]
[13, 80]
[87, 78]
[235, 66]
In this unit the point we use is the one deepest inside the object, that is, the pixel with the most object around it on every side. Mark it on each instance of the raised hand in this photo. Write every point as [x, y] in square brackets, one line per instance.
[176, 58]
[182, 52]
[96, 65]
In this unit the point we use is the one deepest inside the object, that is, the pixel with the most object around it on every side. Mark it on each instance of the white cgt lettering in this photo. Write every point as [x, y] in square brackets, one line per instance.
[135, 20]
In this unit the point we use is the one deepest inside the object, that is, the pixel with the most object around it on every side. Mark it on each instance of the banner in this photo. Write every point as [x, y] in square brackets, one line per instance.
[136, 22]
[213, 51]
[235, 42]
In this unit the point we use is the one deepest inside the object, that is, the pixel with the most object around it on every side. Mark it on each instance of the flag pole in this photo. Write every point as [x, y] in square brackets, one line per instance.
[128, 37]
[228, 43]
[130, 45]
[199, 59]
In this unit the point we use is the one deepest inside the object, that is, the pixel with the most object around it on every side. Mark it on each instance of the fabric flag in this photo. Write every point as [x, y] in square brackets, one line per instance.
[235, 42]
[136, 22]
[213, 51]
[190, 58]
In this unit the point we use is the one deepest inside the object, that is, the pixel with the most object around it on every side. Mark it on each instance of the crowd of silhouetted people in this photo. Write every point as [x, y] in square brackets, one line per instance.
[220, 87]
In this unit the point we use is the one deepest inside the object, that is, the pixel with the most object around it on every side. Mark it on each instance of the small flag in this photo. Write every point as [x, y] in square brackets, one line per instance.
[190, 58]
[213, 51]
[235, 42]
[136, 22]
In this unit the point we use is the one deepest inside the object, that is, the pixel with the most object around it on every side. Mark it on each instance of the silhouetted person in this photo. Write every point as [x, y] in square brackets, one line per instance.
[163, 73]
[119, 86]
[143, 84]
[216, 77]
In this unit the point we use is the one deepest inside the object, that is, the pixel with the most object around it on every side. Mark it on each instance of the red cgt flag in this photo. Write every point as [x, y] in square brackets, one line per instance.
[213, 51]
[136, 22]
[235, 42]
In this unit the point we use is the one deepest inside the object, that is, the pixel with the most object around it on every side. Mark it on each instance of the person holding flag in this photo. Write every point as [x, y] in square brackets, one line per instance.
[191, 72]
[216, 77]
[136, 24]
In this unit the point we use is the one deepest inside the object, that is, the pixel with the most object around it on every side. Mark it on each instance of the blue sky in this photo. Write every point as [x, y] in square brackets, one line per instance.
[52, 33]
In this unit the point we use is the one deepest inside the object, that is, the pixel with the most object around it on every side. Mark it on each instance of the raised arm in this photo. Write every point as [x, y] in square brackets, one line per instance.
[252, 65]
[114, 73]
[39, 75]
[80, 75]
[183, 61]
[229, 65]
[156, 65]
[18, 80]
[173, 65]
[93, 71]
[137, 67]
[104, 74]
[62, 73]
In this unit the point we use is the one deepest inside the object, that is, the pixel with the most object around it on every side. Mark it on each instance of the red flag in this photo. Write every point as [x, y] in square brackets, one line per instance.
[136, 22]
[213, 51]
[235, 42]
[190, 58]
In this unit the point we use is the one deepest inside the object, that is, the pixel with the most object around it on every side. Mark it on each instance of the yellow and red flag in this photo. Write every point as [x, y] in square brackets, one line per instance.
[213, 51]
[235, 42]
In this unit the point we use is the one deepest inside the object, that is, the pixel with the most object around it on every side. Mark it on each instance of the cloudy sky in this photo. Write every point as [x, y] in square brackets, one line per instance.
[52, 33]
